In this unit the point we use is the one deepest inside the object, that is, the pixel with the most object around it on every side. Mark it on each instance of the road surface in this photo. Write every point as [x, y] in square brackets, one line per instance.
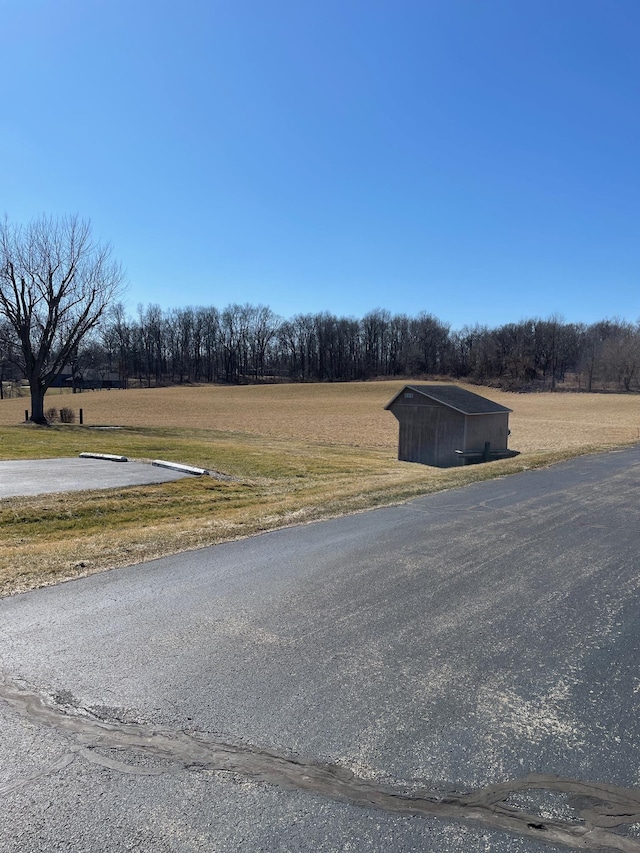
[460, 673]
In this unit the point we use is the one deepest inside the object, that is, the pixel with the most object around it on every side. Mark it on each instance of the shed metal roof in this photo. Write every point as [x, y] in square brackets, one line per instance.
[456, 398]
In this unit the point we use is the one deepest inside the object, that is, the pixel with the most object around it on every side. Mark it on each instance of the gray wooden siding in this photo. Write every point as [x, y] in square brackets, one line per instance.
[429, 434]
[482, 428]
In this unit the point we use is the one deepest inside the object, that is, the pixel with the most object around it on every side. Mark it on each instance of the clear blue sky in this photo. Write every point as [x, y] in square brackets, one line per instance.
[476, 159]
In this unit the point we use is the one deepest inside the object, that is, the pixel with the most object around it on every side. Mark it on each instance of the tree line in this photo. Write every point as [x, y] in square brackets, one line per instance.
[250, 343]
[61, 323]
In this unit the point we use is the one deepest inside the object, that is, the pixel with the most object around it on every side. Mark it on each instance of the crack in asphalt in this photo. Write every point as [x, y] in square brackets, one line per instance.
[599, 807]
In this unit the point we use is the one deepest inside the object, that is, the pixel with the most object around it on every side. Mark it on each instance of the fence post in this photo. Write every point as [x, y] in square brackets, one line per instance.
[26, 415]
[81, 420]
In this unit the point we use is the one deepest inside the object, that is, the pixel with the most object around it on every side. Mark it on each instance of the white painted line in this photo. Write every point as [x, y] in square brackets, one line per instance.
[108, 456]
[176, 466]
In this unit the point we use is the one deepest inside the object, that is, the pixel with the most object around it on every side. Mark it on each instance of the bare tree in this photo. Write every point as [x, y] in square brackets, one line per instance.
[55, 283]
[6, 347]
[264, 328]
[621, 356]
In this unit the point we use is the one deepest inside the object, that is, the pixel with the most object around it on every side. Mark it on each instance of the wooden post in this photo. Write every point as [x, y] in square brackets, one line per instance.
[81, 419]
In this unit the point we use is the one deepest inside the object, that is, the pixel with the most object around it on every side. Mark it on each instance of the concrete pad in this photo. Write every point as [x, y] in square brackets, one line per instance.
[44, 476]
[110, 457]
[177, 466]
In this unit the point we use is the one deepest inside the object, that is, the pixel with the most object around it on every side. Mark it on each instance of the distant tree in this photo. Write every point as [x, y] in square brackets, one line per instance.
[231, 338]
[6, 349]
[431, 342]
[547, 337]
[375, 327]
[621, 356]
[288, 342]
[594, 360]
[151, 341]
[116, 337]
[264, 329]
[474, 351]
[209, 332]
[399, 345]
[56, 282]
[298, 346]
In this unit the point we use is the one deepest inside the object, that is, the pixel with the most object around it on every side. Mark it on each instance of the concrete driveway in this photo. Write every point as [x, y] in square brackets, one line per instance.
[43, 476]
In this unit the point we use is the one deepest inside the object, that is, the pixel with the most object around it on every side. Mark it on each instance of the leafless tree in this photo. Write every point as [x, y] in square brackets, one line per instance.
[56, 282]
[621, 356]
[6, 348]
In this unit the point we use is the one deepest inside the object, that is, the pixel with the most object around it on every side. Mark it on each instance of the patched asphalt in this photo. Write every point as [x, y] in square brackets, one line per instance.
[459, 674]
[45, 476]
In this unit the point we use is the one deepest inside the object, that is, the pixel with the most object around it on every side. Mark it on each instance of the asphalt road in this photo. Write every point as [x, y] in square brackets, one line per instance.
[44, 476]
[461, 673]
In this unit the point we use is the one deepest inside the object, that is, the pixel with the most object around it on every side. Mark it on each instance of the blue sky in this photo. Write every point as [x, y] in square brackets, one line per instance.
[475, 159]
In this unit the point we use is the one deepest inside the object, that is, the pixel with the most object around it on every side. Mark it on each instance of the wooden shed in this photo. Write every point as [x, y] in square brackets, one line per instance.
[445, 425]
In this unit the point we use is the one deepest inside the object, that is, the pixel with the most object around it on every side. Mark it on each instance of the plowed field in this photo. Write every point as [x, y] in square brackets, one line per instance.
[348, 414]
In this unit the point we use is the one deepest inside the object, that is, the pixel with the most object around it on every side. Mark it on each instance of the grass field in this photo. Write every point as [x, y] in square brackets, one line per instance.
[291, 453]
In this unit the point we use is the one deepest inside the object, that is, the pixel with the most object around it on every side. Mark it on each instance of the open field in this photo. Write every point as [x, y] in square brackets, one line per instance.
[292, 453]
[348, 414]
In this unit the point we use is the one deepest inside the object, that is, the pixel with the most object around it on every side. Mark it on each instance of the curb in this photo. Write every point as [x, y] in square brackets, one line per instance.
[110, 457]
[176, 466]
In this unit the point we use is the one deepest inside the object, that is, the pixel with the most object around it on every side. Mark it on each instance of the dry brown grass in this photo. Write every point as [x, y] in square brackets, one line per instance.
[296, 452]
[350, 414]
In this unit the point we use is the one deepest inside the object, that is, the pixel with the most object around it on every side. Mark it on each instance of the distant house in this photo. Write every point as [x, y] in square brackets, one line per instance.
[445, 425]
[62, 380]
[94, 380]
